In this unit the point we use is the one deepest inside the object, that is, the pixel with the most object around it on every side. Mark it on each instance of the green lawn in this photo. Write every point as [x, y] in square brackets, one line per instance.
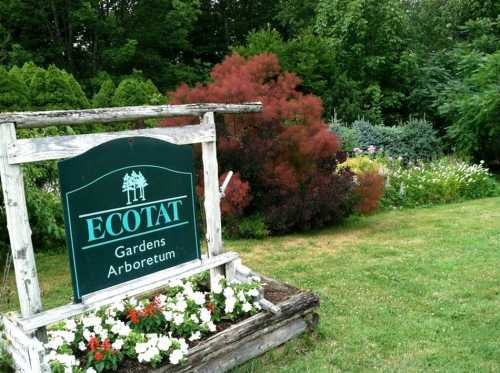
[409, 290]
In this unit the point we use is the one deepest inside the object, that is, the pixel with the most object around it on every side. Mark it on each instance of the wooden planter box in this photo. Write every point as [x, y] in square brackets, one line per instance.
[256, 335]
[228, 348]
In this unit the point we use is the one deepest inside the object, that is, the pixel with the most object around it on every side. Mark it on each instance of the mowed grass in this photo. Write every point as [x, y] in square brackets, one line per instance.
[410, 290]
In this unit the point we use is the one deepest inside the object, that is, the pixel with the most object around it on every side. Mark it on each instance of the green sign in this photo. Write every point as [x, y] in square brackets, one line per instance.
[129, 209]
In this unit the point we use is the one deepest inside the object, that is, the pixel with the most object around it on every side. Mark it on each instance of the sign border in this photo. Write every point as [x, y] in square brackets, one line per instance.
[74, 268]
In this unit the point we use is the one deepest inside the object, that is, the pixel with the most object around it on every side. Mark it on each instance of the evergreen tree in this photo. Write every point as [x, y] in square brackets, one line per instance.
[56, 89]
[136, 91]
[14, 94]
[104, 97]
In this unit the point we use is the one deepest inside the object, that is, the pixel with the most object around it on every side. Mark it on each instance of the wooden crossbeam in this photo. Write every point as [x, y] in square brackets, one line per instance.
[149, 283]
[106, 115]
[60, 147]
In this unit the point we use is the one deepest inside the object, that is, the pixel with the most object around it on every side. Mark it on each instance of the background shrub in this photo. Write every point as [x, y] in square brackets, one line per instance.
[286, 154]
[412, 140]
[253, 227]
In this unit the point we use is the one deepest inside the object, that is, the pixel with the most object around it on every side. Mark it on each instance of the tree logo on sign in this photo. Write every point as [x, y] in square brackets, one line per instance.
[134, 184]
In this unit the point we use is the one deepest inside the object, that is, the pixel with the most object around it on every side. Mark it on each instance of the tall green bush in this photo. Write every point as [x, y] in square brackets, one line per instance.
[412, 140]
[33, 88]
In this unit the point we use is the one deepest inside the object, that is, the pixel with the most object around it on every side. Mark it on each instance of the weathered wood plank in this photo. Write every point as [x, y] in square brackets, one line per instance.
[105, 115]
[27, 352]
[59, 147]
[18, 226]
[148, 283]
[251, 337]
[212, 197]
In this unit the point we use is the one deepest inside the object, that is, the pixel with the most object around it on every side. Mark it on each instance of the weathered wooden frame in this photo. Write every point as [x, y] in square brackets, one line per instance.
[26, 331]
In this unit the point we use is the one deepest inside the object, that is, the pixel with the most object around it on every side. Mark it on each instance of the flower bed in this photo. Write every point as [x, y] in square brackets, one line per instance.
[442, 181]
[159, 330]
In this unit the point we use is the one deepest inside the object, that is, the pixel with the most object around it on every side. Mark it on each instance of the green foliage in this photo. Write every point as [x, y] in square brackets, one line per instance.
[104, 97]
[368, 39]
[308, 56]
[56, 89]
[136, 91]
[361, 165]
[14, 94]
[442, 181]
[253, 227]
[473, 106]
[6, 362]
[412, 140]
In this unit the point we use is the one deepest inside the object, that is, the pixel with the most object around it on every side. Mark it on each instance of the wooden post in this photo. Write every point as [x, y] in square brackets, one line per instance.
[19, 229]
[212, 197]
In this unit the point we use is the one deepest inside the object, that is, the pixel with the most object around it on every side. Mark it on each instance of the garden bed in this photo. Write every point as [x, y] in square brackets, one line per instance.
[236, 343]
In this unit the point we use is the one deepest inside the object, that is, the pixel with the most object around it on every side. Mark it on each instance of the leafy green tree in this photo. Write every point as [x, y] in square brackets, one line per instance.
[296, 16]
[88, 36]
[473, 105]
[369, 41]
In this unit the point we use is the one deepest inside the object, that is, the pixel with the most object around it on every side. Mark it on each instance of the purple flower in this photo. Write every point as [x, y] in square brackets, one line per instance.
[372, 149]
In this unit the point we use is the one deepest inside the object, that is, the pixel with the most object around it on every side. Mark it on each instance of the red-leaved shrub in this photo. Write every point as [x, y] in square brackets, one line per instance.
[369, 191]
[285, 155]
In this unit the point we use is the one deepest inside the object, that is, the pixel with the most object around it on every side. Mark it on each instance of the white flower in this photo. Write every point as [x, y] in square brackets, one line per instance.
[81, 346]
[148, 355]
[175, 357]
[205, 315]
[120, 307]
[247, 307]
[184, 346]
[195, 336]
[103, 334]
[67, 360]
[110, 321]
[230, 303]
[140, 348]
[70, 325]
[198, 297]
[90, 370]
[253, 293]
[87, 334]
[121, 329]
[195, 319]
[91, 320]
[178, 319]
[181, 305]
[257, 305]
[98, 329]
[133, 302]
[164, 343]
[118, 344]
[217, 288]
[211, 326]
[241, 296]
[55, 343]
[168, 315]
[228, 292]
